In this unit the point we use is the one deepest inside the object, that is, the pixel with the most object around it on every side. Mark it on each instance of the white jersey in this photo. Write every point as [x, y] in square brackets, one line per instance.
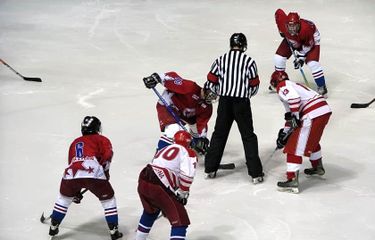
[302, 101]
[175, 166]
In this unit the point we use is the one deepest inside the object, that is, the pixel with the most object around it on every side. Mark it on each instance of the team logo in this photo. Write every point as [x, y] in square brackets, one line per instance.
[285, 92]
[178, 81]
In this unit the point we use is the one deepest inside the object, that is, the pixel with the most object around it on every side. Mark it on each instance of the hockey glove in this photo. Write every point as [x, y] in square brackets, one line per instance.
[77, 198]
[200, 145]
[299, 60]
[182, 196]
[291, 120]
[282, 139]
[152, 81]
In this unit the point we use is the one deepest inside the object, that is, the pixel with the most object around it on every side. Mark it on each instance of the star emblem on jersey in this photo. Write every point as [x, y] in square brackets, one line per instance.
[76, 166]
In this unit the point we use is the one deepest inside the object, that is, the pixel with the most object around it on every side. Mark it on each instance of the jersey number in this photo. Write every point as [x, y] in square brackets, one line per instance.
[79, 150]
[168, 153]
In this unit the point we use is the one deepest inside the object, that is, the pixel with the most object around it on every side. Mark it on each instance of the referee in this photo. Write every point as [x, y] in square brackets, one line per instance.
[234, 75]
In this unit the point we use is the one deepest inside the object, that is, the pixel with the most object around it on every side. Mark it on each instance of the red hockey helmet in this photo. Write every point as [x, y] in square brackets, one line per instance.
[277, 77]
[293, 23]
[182, 138]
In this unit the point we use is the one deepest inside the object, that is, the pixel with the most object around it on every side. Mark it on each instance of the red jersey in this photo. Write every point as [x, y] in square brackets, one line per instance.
[305, 39]
[89, 157]
[184, 96]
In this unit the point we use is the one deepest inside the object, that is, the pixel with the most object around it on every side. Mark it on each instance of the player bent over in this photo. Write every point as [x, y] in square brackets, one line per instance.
[191, 103]
[304, 38]
[89, 161]
[307, 114]
[163, 186]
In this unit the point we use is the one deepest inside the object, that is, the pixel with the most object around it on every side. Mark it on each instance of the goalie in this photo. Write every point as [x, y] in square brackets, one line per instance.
[191, 103]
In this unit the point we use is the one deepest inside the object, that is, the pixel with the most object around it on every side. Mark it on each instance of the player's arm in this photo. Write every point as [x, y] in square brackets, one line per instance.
[280, 19]
[106, 153]
[188, 163]
[292, 102]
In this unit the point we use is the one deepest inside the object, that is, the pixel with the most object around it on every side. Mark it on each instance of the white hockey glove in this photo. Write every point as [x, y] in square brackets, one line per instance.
[182, 196]
[299, 60]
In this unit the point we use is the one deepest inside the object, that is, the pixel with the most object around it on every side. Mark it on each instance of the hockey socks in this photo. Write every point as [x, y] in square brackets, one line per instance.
[145, 225]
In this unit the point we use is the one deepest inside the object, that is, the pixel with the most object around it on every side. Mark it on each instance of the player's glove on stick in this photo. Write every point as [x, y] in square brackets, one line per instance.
[152, 81]
[77, 198]
[182, 196]
[282, 139]
[299, 60]
[200, 145]
[291, 120]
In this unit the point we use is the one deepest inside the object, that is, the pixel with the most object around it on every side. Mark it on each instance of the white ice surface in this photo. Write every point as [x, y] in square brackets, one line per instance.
[92, 56]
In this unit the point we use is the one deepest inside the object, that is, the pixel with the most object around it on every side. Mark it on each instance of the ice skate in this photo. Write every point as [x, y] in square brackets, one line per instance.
[271, 89]
[115, 234]
[211, 175]
[258, 179]
[290, 185]
[323, 91]
[319, 170]
[54, 228]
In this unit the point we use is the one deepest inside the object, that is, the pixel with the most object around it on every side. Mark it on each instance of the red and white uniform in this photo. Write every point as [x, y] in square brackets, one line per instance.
[184, 96]
[89, 157]
[306, 42]
[89, 161]
[314, 112]
[175, 167]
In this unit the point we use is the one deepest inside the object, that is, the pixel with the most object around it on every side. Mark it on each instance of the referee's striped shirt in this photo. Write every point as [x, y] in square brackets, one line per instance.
[234, 74]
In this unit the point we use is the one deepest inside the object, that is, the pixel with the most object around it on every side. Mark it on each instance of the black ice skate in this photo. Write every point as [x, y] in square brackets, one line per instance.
[54, 228]
[319, 170]
[258, 179]
[115, 234]
[291, 185]
[211, 175]
[323, 91]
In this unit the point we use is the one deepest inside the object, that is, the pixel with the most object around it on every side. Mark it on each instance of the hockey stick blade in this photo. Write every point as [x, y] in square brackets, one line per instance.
[227, 166]
[362, 105]
[32, 79]
[43, 218]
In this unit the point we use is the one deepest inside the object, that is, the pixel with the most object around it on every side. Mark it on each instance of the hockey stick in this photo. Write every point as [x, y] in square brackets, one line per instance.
[362, 105]
[300, 68]
[33, 79]
[284, 138]
[178, 121]
[169, 109]
[43, 218]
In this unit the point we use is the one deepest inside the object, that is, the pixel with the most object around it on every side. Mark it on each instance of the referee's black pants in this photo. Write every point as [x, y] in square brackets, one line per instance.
[239, 110]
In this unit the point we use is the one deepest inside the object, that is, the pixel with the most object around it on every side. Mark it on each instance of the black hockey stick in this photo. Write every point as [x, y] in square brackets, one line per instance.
[362, 105]
[43, 218]
[33, 79]
[178, 121]
[226, 166]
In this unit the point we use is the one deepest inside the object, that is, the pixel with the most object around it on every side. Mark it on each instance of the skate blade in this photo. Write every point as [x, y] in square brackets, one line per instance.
[317, 176]
[289, 190]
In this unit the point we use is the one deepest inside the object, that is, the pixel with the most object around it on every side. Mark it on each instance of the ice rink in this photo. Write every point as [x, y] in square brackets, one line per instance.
[92, 56]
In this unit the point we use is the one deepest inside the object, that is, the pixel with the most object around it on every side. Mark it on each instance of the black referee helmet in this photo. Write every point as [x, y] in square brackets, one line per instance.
[238, 40]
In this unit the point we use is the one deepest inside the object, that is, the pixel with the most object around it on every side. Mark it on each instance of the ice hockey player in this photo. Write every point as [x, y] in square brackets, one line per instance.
[191, 103]
[304, 38]
[307, 114]
[163, 187]
[89, 161]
